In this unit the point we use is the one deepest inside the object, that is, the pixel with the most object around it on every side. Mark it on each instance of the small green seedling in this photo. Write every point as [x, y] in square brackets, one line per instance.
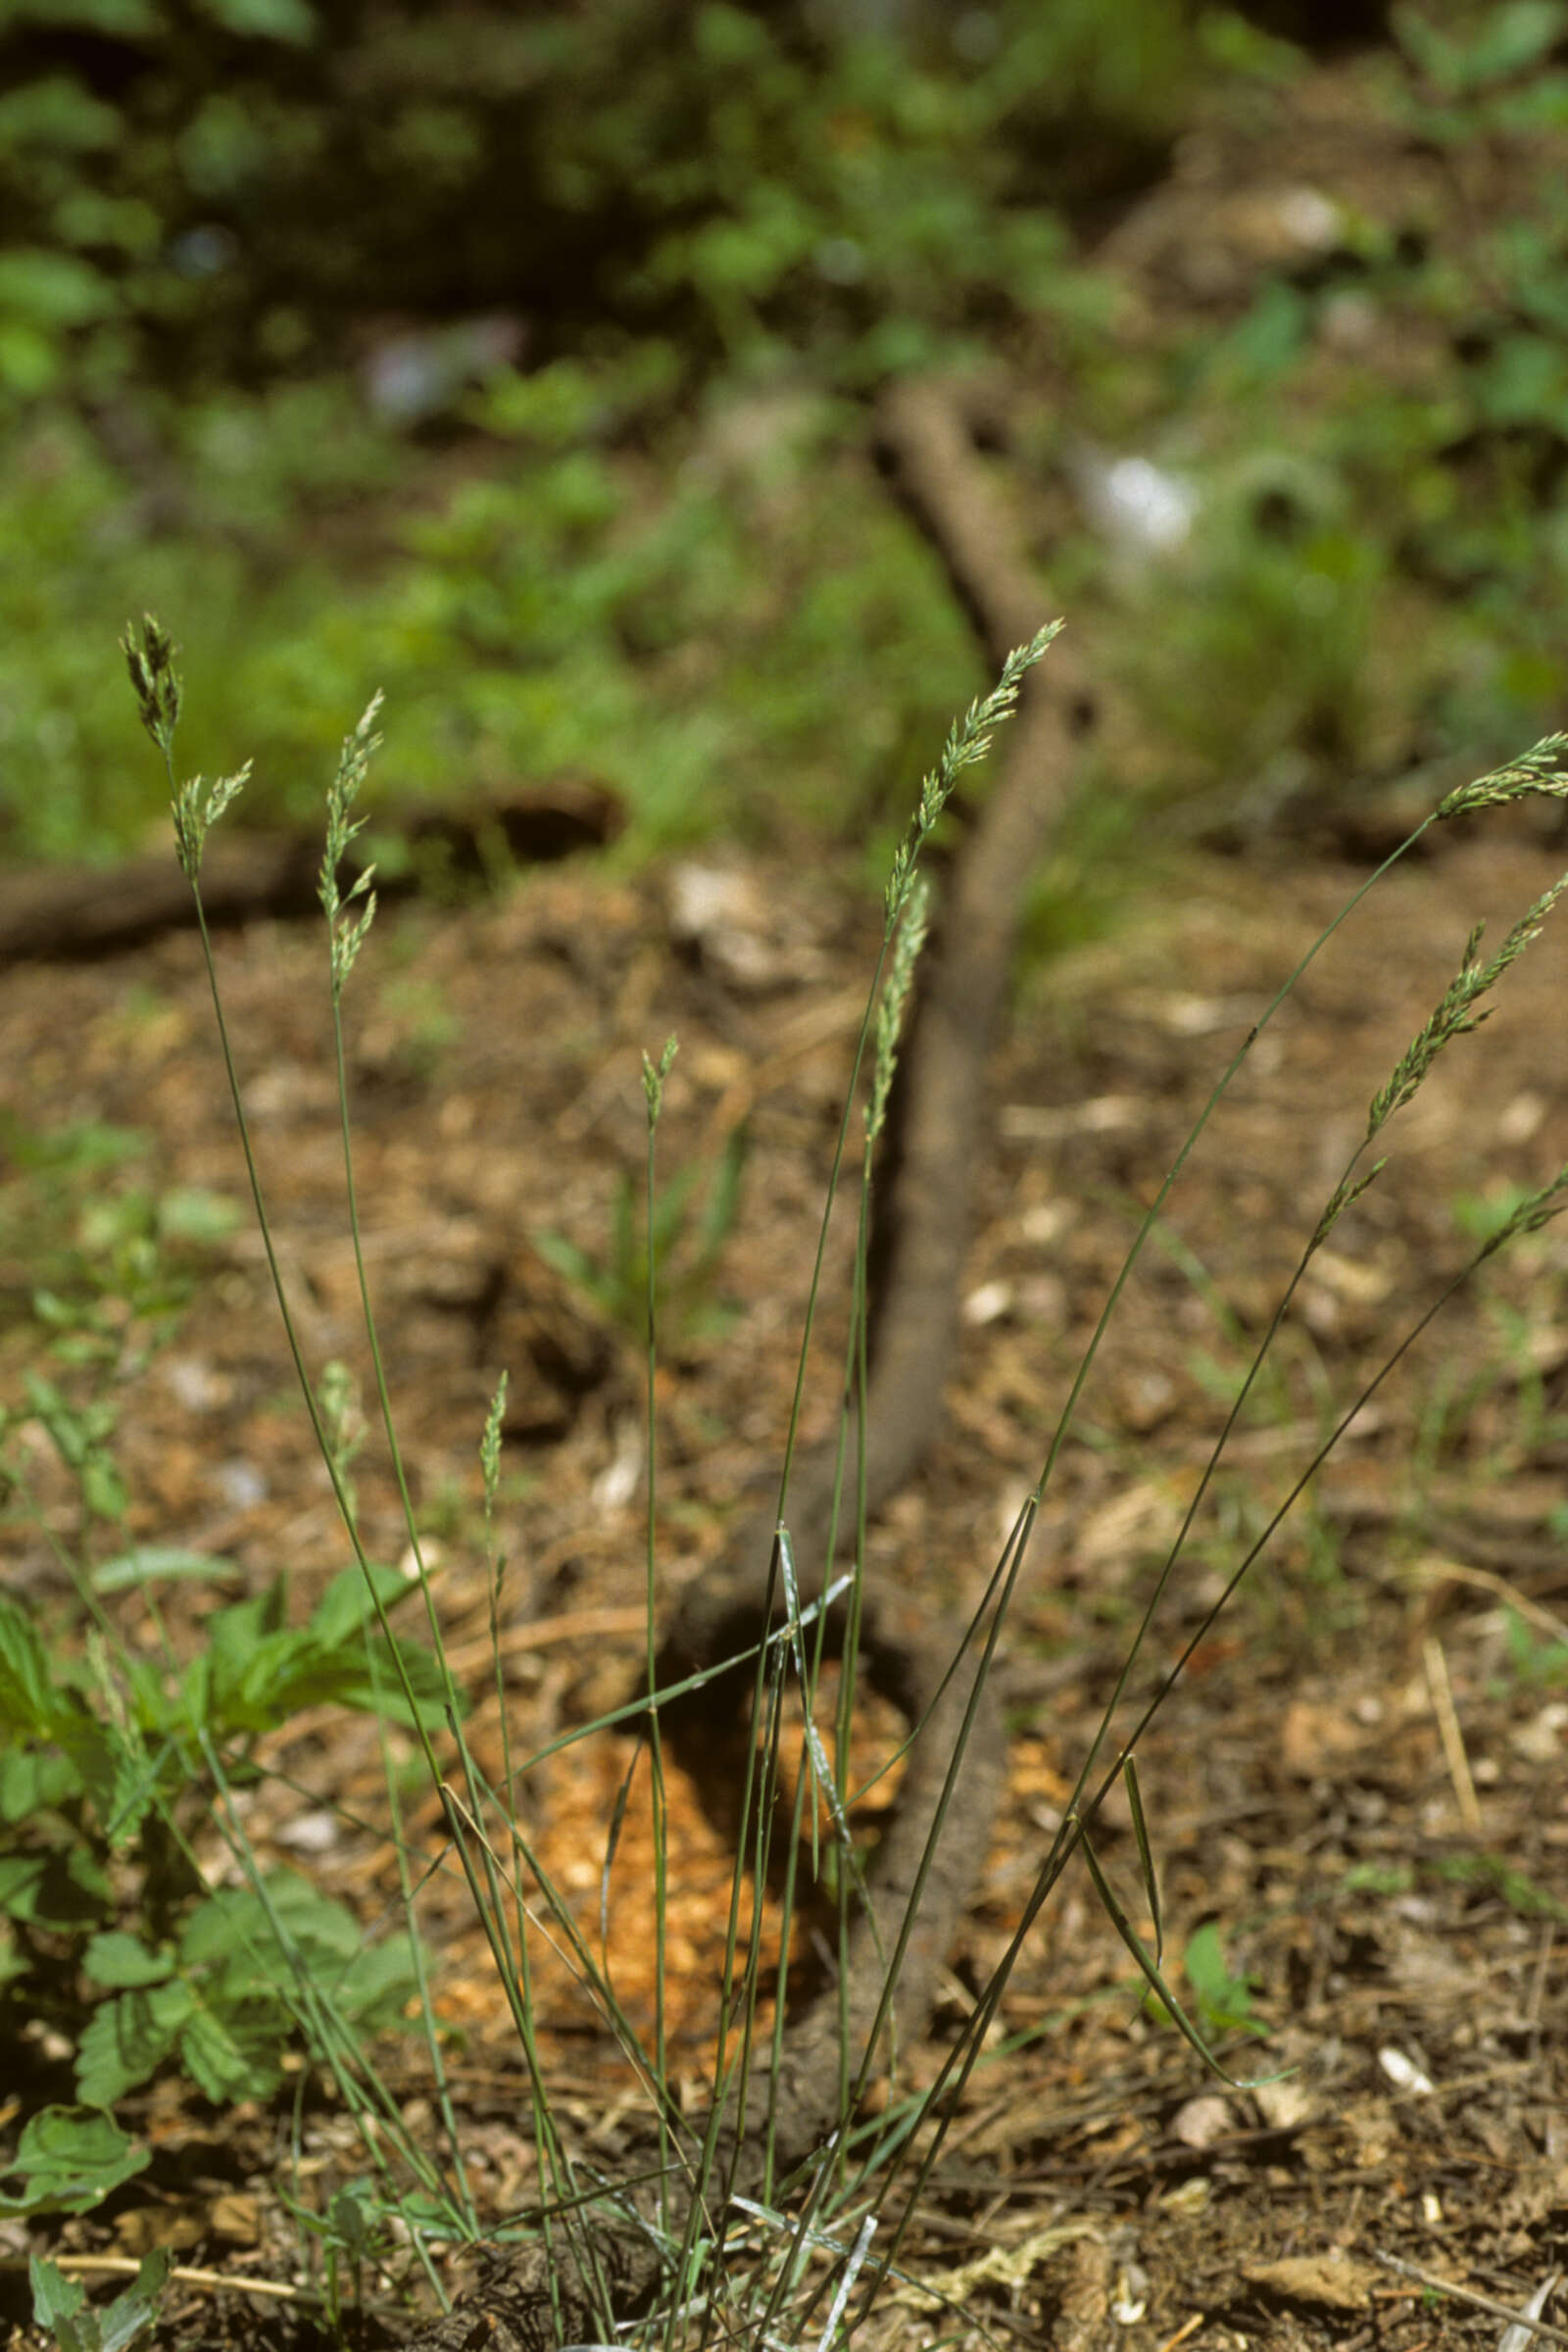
[59, 2306]
[685, 1251]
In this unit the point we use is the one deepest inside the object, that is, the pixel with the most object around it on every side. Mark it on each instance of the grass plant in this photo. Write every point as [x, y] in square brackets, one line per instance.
[103, 1761]
[669, 1237]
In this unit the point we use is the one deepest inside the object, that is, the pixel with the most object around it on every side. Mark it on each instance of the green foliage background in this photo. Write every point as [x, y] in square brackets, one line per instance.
[516, 362]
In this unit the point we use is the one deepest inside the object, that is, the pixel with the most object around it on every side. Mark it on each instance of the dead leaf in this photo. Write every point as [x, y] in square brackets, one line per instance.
[235, 2218]
[1202, 2121]
[1333, 2281]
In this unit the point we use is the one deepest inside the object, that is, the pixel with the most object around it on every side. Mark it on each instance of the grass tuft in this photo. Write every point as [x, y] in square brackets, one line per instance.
[114, 1757]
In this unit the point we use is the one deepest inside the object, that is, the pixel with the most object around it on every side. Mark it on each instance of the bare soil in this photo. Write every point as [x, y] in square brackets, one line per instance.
[1361, 1774]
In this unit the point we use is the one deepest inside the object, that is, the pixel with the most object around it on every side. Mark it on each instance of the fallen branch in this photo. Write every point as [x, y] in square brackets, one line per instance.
[55, 913]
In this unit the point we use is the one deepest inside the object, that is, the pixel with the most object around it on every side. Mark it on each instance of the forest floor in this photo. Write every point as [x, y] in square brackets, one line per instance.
[1356, 1788]
[1361, 1780]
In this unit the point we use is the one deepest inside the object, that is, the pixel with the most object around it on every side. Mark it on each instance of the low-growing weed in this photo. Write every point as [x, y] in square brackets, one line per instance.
[684, 1246]
[1489, 1871]
[110, 1760]
[59, 2306]
[92, 1238]
[1221, 1996]
[1539, 1658]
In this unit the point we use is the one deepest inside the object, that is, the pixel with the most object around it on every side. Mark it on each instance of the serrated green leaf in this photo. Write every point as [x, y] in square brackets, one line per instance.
[28, 1696]
[382, 1694]
[55, 2297]
[374, 1990]
[323, 1928]
[126, 2039]
[283, 1674]
[249, 1946]
[67, 1891]
[119, 1961]
[234, 1930]
[235, 2051]
[134, 2310]
[71, 2157]
[345, 1606]
[257, 1672]
[34, 1780]
[214, 1682]
[113, 1767]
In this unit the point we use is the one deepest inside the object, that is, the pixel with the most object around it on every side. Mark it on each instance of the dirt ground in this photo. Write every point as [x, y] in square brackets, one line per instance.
[1360, 1779]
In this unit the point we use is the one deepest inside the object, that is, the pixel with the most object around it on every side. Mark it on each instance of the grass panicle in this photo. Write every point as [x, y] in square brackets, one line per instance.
[913, 923]
[968, 742]
[347, 931]
[1459, 1008]
[1542, 770]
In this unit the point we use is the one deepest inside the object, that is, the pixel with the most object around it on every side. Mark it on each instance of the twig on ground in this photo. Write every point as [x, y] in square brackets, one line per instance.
[123, 2266]
[1467, 2294]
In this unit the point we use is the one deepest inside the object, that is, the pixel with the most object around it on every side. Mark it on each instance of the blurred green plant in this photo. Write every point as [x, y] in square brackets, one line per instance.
[1493, 1873]
[559, 431]
[59, 2306]
[1377, 434]
[680, 1251]
[1523, 1308]
[108, 1764]
[1539, 1659]
[97, 1757]
[773, 200]
[1496, 1874]
[1222, 1997]
[108, 1265]
[766, 179]
[732, 651]
[1485, 65]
